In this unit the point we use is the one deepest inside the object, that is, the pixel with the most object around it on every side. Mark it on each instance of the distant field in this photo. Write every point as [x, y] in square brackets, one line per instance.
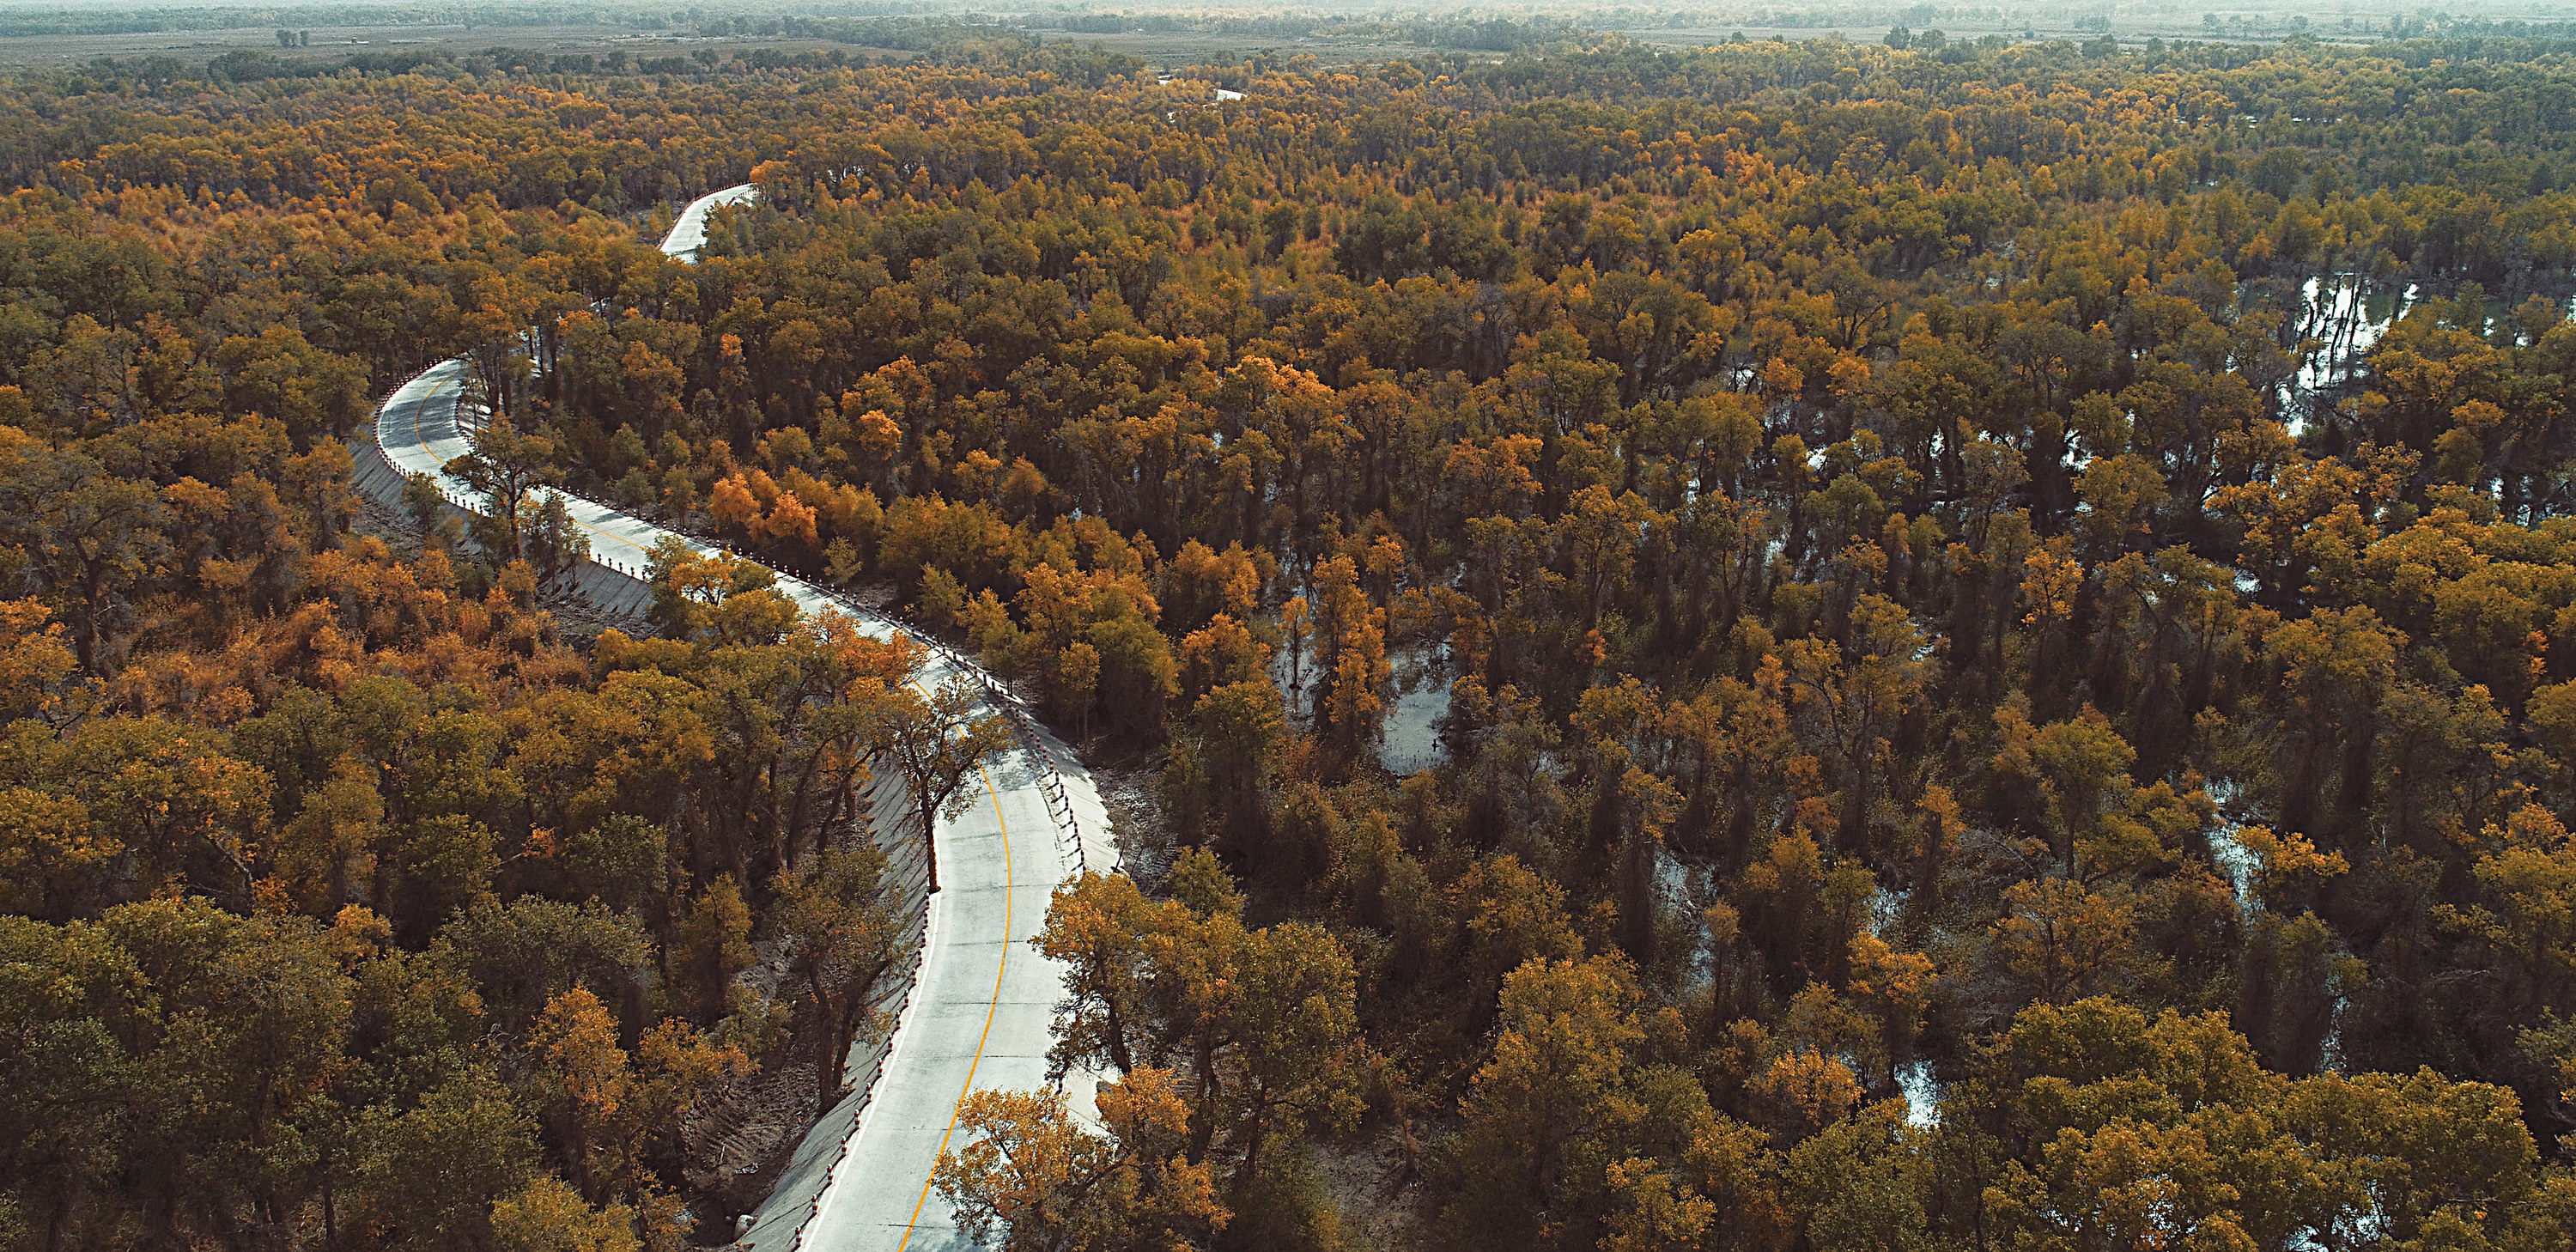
[332, 43]
[1161, 48]
[1165, 48]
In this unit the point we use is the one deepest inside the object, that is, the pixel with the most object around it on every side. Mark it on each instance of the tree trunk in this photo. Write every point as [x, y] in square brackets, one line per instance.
[930, 844]
[1118, 1053]
[835, 1059]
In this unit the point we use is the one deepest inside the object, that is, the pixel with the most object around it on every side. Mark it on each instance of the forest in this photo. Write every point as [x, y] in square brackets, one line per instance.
[1790, 646]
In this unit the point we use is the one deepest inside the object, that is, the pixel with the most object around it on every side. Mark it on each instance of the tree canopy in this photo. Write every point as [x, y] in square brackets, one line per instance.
[1785, 645]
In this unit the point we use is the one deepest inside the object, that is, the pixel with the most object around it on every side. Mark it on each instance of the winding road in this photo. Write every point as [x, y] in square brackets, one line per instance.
[981, 1011]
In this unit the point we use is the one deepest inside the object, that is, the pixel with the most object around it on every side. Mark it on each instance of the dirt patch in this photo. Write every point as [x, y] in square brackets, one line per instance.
[742, 1134]
[1130, 789]
[1374, 1178]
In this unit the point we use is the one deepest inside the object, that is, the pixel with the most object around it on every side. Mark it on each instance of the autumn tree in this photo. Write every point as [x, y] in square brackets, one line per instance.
[1033, 1177]
[936, 743]
[832, 910]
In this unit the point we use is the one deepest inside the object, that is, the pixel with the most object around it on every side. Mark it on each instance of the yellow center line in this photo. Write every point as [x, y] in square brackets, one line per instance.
[419, 440]
[604, 534]
[989, 1011]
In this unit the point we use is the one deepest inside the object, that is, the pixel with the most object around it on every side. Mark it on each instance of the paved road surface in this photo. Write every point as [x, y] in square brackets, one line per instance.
[982, 1013]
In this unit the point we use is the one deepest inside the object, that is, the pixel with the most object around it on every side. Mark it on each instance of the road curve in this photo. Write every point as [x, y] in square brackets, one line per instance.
[981, 1013]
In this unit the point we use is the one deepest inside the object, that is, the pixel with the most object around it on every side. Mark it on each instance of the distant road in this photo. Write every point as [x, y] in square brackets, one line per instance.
[982, 1013]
